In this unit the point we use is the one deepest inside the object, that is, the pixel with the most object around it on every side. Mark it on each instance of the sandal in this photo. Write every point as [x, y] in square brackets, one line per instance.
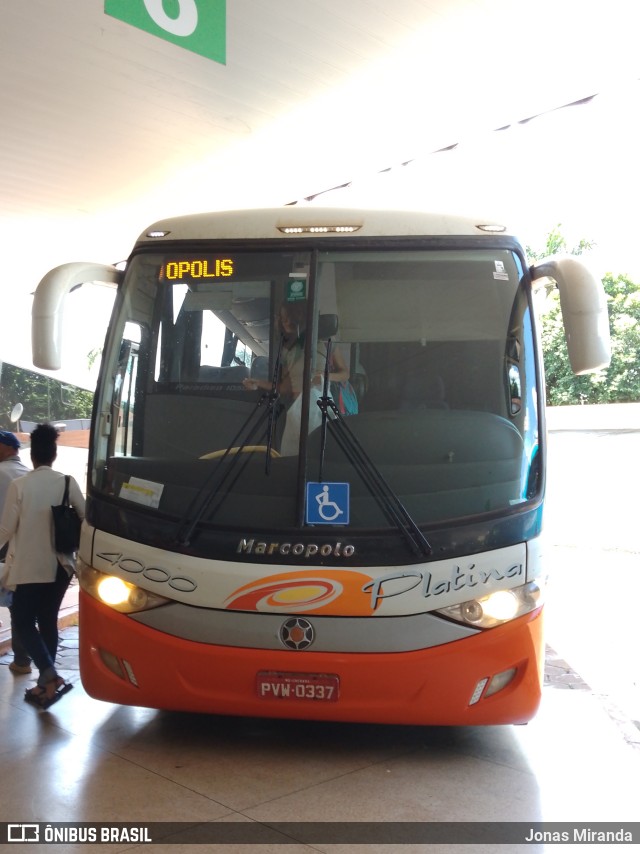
[44, 696]
[35, 695]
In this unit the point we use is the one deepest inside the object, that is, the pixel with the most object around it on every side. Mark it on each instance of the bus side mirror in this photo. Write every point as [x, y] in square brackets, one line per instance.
[48, 306]
[584, 311]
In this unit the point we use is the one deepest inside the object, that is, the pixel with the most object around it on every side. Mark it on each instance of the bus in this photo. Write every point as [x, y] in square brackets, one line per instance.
[249, 548]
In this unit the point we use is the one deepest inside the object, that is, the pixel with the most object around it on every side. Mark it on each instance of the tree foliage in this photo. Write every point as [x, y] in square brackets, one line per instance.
[43, 398]
[620, 382]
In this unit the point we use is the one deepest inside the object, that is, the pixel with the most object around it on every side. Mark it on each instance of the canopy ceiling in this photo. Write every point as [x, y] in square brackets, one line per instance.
[106, 128]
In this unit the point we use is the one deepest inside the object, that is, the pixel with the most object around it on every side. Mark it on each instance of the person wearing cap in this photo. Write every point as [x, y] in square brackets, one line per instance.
[11, 467]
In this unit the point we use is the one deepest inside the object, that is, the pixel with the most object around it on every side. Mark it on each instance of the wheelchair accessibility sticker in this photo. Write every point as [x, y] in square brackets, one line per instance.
[327, 504]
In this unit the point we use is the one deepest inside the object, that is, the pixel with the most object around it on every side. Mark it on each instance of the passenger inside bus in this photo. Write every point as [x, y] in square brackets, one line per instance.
[292, 321]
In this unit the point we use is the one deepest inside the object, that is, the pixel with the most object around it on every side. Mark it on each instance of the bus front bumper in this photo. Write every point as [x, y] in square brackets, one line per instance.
[122, 661]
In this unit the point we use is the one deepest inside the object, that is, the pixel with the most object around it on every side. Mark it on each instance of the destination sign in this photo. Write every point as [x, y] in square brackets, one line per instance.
[197, 268]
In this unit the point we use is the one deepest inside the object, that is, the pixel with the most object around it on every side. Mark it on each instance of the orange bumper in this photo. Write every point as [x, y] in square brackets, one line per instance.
[427, 687]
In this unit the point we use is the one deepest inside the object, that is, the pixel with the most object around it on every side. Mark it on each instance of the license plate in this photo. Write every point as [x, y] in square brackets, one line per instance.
[318, 687]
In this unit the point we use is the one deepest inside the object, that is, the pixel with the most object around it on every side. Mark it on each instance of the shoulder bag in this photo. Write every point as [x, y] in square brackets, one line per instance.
[66, 524]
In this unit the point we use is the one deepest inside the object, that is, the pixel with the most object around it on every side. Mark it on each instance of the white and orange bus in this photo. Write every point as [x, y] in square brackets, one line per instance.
[252, 549]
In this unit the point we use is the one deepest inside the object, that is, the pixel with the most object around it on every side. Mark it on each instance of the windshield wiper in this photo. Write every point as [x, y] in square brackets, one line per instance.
[389, 502]
[221, 474]
[272, 409]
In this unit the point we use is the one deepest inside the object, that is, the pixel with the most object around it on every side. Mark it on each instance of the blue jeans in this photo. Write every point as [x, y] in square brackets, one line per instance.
[20, 654]
[35, 614]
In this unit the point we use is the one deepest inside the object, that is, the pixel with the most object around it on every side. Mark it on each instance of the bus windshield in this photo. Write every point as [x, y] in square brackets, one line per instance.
[216, 360]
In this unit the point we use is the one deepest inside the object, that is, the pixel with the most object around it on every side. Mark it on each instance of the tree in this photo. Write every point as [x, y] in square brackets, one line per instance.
[620, 382]
[623, 375]
[43, 398]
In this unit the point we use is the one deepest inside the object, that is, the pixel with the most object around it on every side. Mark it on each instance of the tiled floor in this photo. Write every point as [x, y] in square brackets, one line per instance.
[84, 760]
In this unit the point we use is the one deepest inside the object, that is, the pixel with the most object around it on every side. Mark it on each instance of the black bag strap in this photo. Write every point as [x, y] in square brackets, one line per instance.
[65, 497]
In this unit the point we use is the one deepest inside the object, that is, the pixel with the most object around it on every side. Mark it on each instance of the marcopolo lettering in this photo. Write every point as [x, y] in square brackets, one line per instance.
[303, 550]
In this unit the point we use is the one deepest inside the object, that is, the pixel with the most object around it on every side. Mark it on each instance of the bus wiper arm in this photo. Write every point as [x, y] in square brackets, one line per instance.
[212, 486]
[389, 502]
[272, 404]
[325, 403]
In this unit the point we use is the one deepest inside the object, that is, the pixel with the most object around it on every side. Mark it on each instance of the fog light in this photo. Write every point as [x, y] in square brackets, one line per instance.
[112, 662]
[500, 681]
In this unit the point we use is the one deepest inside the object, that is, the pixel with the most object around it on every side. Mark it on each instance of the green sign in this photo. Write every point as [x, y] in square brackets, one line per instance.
[196, 25]
[296, 290]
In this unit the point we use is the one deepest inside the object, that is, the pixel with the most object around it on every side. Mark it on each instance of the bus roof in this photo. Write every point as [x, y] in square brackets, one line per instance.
[303, 221]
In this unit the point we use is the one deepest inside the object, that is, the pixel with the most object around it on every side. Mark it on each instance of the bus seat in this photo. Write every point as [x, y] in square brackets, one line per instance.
[423, 391]
[260, 368]
[358, 381]
[327, 326]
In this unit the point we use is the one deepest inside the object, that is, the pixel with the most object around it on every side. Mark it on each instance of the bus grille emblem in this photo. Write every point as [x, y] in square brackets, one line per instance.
[297, 633]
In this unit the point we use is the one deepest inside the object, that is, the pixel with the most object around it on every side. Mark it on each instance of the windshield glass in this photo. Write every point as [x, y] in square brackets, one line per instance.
[216, 360]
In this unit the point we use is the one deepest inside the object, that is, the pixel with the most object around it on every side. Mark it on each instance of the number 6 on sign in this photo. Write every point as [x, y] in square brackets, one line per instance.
[195, 25]
[184, 25]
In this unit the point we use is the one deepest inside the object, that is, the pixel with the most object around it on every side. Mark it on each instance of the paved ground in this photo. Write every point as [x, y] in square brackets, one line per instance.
[593, 554]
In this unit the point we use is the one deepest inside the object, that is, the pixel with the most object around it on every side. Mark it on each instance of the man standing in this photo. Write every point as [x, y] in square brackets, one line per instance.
[11, 467]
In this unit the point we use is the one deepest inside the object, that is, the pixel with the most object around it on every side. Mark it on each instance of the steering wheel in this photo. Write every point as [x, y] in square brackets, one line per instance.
[246, 449]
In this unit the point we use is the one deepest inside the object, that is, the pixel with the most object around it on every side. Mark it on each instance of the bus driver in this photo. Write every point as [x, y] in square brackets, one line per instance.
[292, 318]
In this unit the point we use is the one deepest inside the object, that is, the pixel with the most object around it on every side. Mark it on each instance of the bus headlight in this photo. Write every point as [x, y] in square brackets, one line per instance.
[497, 607]
[116, 593]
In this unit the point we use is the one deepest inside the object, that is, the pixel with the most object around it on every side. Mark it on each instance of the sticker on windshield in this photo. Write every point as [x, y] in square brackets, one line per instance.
[327, 504]
[500, 272]
[296, 287]
[142, 491]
